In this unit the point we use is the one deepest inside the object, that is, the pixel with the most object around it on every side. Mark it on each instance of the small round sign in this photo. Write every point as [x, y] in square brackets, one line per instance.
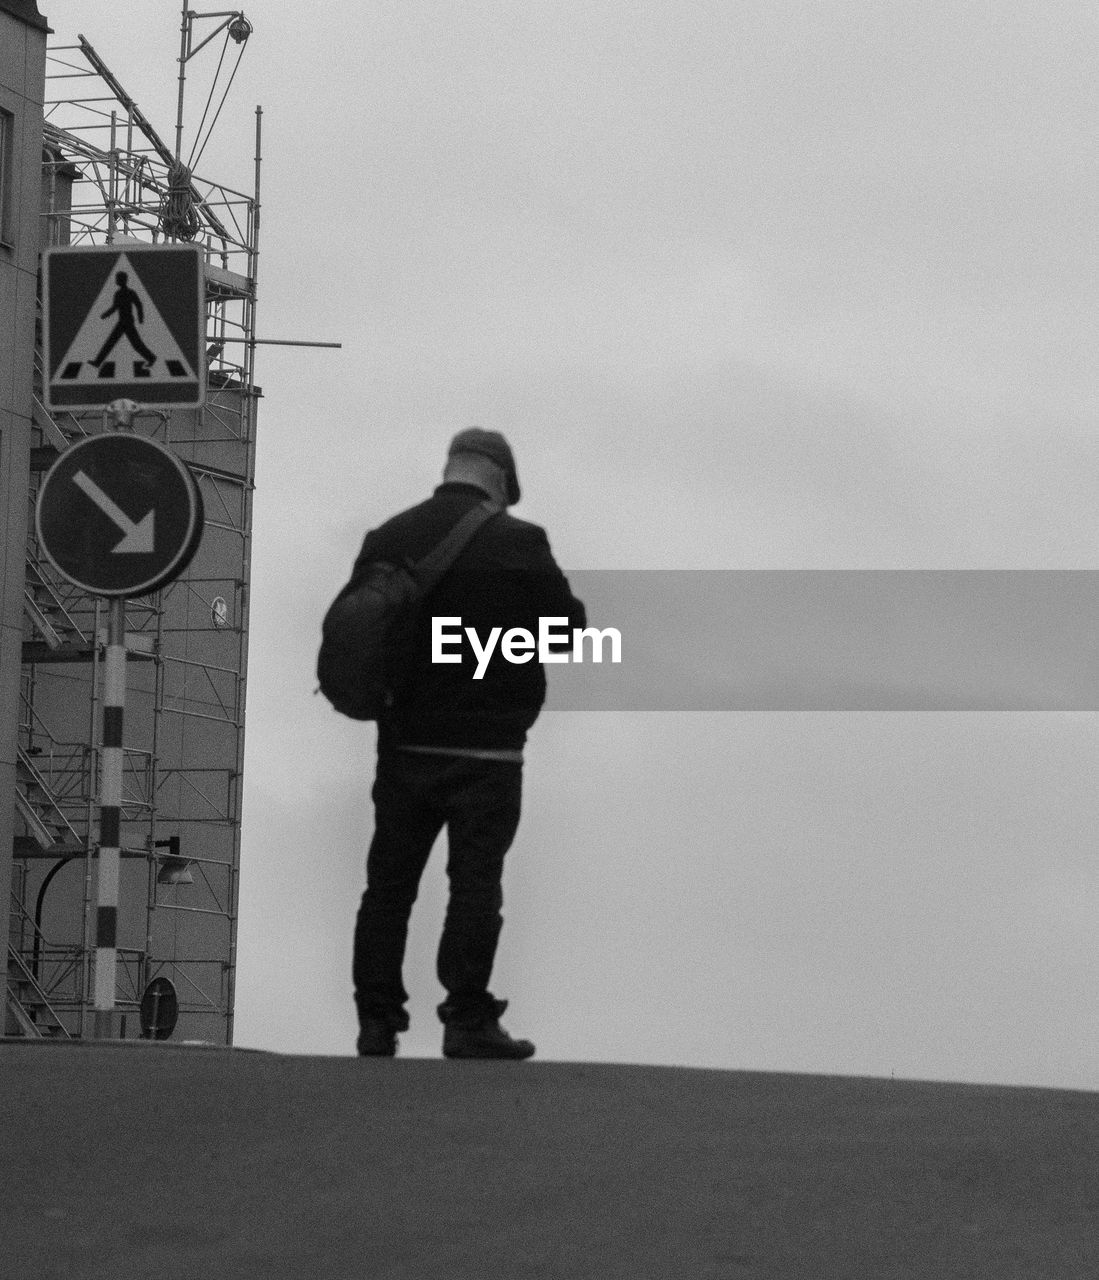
[119, 515]
[159, 1009]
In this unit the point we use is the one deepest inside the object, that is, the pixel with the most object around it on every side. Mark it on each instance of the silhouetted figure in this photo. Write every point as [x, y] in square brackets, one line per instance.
[127, 306]
[450, 753]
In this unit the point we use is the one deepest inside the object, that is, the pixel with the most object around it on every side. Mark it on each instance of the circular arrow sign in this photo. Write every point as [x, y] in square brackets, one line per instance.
[119, 515]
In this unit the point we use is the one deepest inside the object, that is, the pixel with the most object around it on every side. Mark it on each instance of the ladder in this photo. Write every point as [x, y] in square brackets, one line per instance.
[28, 1003]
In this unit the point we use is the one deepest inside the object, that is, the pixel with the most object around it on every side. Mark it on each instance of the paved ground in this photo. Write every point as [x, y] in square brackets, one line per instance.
[141, 1161]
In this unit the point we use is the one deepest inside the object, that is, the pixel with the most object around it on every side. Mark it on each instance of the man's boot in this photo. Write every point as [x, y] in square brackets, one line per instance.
[479, 1035]
[377, 1039]
[378, 1028]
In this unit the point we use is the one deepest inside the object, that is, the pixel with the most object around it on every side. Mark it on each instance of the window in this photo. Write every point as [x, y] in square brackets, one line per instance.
[7, 172]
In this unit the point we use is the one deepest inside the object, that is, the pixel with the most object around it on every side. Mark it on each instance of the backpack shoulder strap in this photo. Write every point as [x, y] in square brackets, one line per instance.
[434, 565]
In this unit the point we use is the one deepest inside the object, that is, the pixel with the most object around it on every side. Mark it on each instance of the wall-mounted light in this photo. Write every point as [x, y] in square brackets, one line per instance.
[174, 868]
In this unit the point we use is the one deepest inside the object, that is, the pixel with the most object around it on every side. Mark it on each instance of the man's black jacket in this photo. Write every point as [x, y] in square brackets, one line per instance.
[506, 577]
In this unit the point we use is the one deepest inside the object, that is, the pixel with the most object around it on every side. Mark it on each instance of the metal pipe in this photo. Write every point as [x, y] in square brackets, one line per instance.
[184, 30]
[38, 911]
[112, 180]
[280, 342]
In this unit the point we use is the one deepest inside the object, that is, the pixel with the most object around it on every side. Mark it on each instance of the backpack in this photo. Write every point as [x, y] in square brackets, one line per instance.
[371, 617]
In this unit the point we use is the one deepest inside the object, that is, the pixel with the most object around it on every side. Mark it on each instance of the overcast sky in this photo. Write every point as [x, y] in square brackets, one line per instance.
[782, 285]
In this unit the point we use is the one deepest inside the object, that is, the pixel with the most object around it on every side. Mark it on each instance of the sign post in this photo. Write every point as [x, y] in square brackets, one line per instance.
[110, 821]
[118, 515]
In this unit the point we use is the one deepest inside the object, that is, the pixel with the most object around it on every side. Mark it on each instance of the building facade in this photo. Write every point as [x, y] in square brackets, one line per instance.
[94, 177]
[23, 33]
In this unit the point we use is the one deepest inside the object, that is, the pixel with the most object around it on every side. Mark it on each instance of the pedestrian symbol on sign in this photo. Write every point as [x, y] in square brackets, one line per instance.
[127, 306]
[89, 357]
[124, 322]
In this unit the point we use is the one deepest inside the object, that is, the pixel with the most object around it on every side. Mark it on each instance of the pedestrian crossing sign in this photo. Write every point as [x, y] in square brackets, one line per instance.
[124, 321]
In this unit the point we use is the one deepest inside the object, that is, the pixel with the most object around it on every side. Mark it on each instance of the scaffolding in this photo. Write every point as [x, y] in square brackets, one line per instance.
[107, 177]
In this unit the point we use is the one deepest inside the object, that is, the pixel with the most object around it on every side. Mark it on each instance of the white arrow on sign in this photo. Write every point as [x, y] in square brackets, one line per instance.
[138, 537]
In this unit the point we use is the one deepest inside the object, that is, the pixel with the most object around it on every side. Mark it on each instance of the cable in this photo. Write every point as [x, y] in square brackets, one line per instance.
[217, 114]
[209, 99]
[178, 218]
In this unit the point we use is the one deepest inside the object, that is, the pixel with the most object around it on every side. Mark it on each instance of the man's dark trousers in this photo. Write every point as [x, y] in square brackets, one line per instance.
[415, 795]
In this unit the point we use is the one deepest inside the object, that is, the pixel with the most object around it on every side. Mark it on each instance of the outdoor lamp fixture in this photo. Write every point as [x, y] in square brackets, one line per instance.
[174, 869]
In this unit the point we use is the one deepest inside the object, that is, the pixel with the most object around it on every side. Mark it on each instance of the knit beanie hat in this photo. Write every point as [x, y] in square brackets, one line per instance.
[492, 445]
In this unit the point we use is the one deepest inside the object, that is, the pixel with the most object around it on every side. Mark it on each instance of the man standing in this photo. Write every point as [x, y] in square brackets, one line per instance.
[450, 752]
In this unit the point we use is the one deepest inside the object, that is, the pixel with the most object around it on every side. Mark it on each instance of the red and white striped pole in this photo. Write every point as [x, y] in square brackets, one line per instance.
[110, 821]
